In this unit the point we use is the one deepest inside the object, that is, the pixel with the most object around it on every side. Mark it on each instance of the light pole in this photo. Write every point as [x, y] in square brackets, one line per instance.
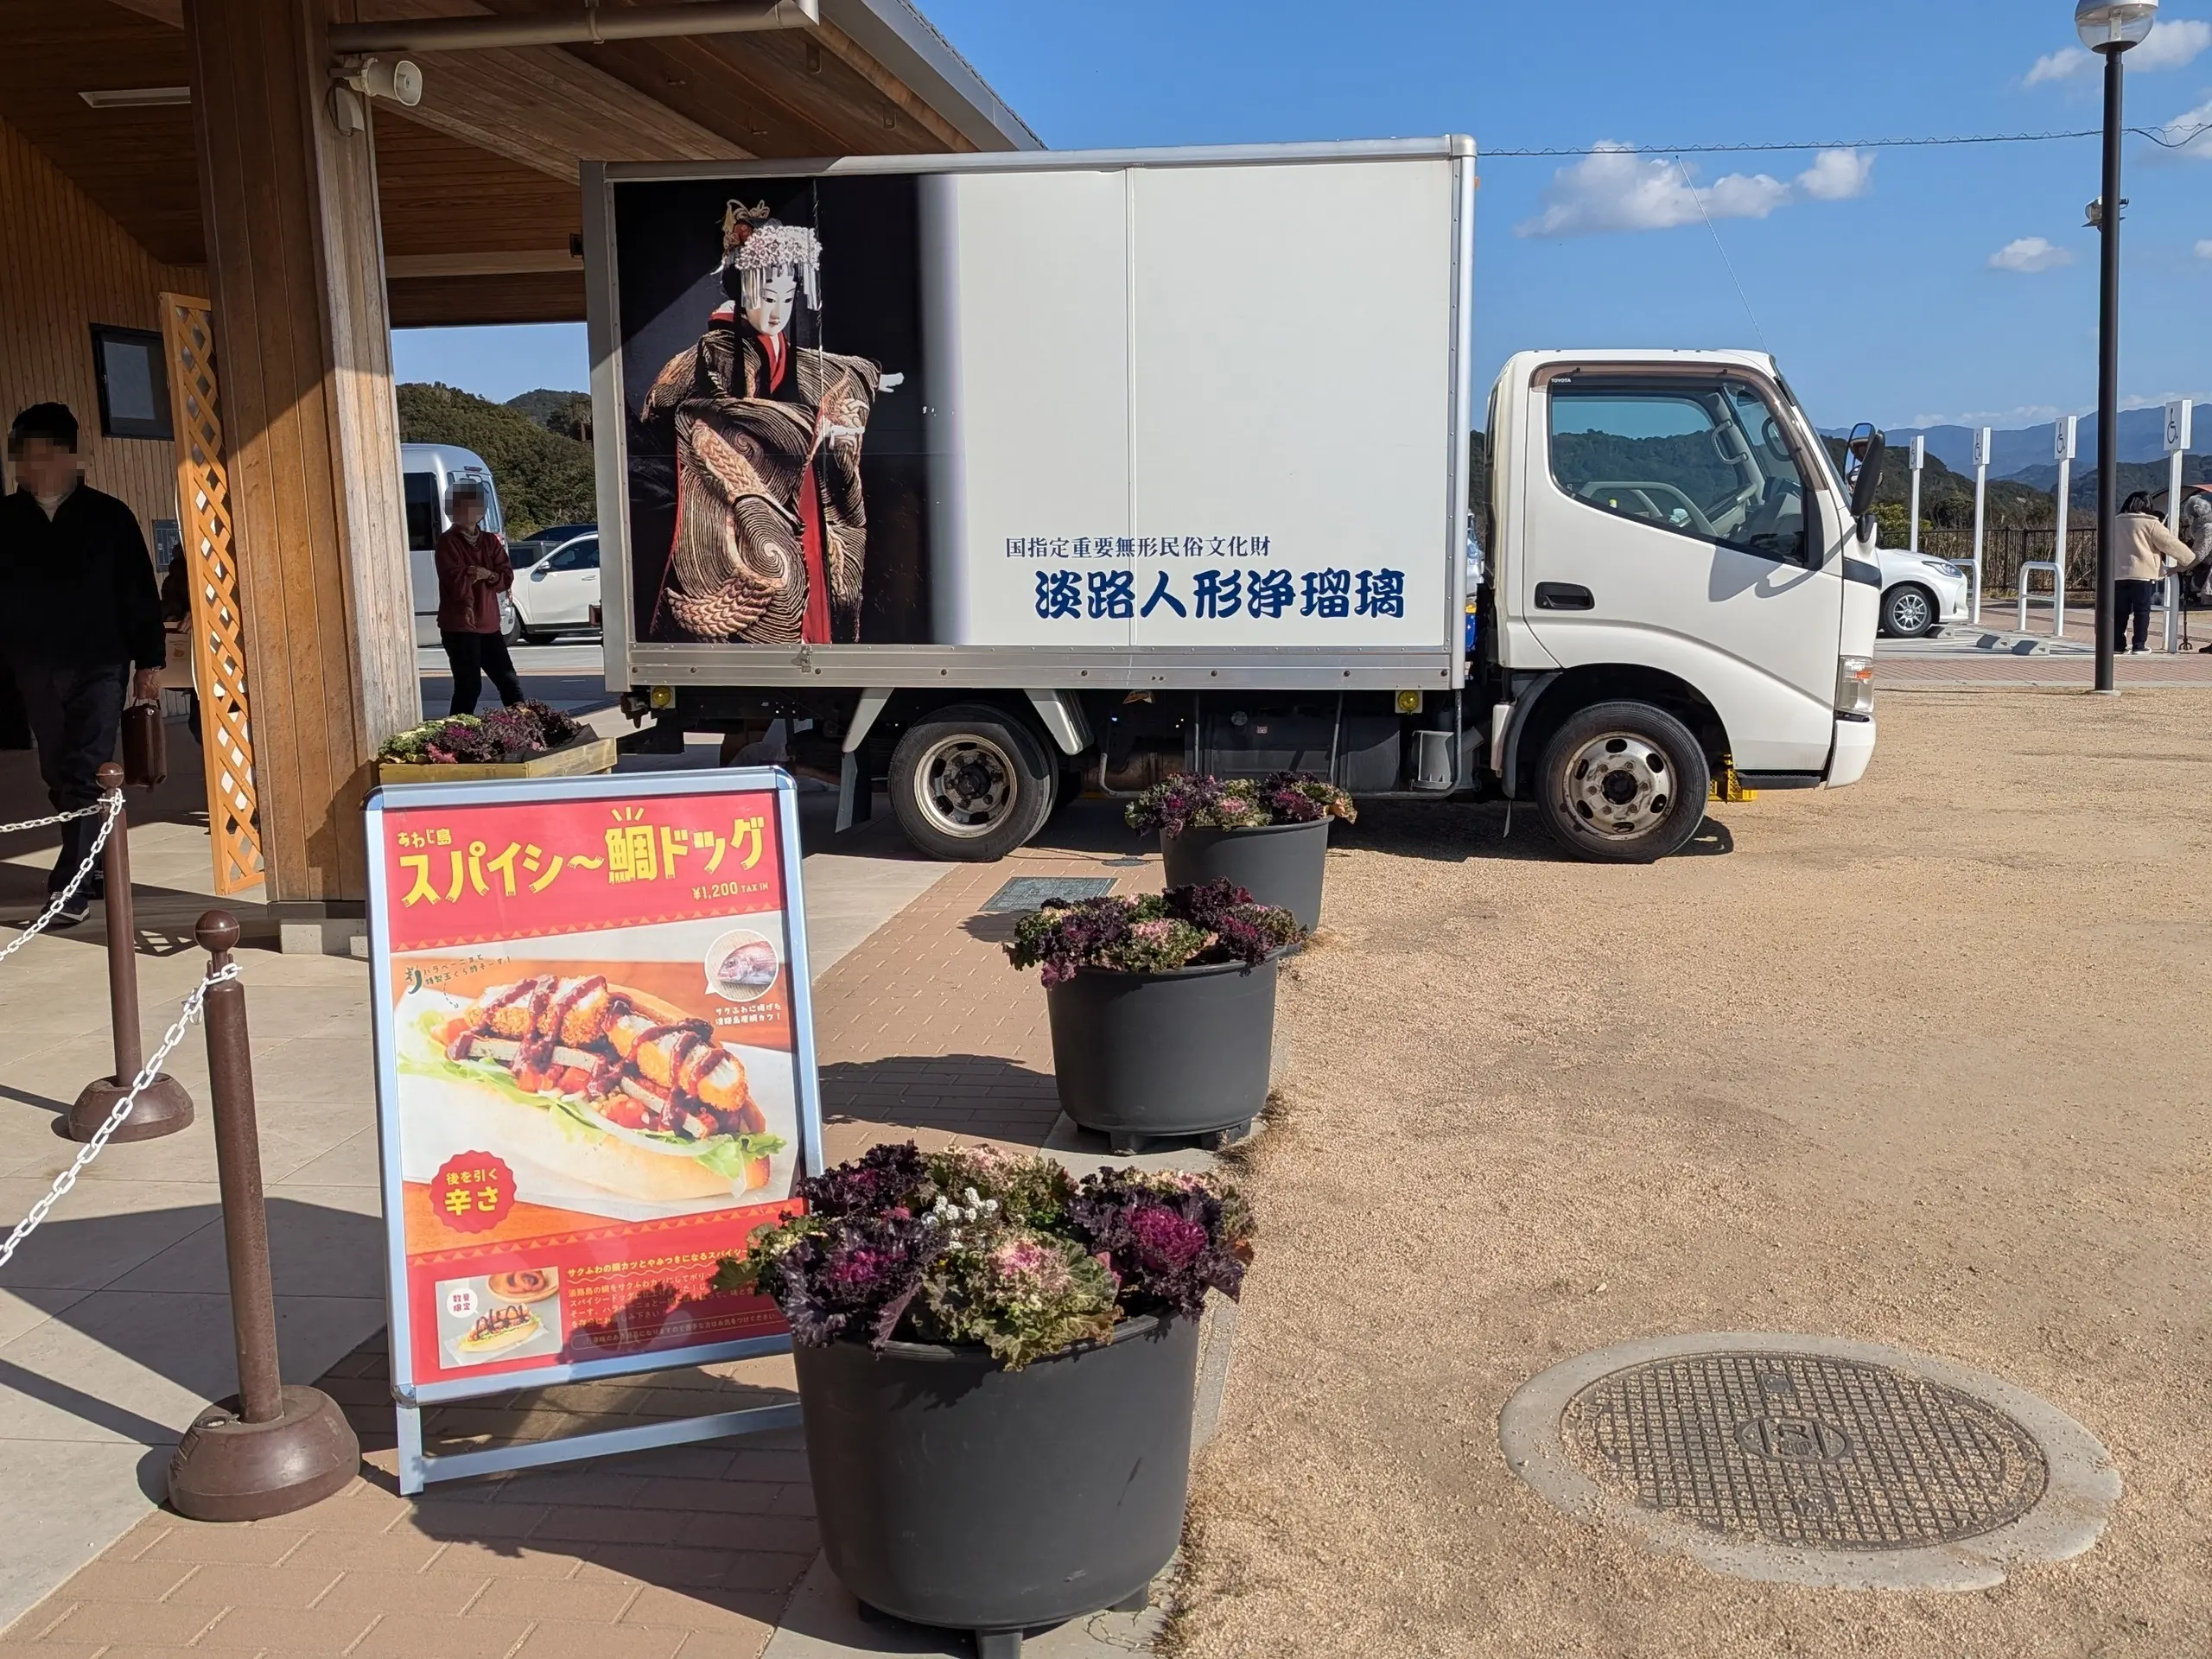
[2109, 28]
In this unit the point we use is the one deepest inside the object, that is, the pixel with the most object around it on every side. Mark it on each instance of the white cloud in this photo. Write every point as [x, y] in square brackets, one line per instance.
[2204, 248]
[1615, 189]
[1838, 175]
[2030, 254]
[2060, 66]
[2172, 45]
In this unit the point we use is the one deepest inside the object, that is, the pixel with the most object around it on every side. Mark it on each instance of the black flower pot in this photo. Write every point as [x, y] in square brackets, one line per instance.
[1184, 1052]
[954, 1493]
[1277, 863]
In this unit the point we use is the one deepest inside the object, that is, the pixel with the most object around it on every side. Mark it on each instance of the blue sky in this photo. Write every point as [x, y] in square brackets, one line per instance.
[1902, 286]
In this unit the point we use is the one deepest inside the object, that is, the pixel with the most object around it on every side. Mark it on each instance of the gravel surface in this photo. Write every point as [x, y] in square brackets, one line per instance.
[1922, 1062]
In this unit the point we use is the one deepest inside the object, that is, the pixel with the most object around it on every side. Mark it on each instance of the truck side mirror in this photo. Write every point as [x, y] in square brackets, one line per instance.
[1863, 455]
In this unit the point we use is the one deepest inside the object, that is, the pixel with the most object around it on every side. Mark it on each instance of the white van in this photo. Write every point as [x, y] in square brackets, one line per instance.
[428, 472]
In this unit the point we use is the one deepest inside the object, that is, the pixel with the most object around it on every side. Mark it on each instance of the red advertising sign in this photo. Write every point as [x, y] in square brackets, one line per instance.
[596, 1067]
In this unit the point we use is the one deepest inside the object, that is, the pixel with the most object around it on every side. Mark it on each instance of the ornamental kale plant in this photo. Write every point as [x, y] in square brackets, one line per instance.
[1190, 802]
[529, 728]
[1152, 932]
[1166, 1237]
[972, 1246]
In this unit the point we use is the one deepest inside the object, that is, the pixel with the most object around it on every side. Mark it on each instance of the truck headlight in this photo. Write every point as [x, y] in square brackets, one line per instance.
[1854, 685]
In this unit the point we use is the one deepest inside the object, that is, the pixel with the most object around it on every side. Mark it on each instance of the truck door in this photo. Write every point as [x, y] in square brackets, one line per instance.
[1673, 521]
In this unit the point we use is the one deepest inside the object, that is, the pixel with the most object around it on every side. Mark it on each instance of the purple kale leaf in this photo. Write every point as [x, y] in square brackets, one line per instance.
[858, 1275]
[1168, 1238]
[884, 1181]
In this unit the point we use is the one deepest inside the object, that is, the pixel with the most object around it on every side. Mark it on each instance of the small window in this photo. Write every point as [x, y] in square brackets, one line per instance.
[169, 545]
[576, 555]
[134, 382]
[421, 512]
[1704, 459]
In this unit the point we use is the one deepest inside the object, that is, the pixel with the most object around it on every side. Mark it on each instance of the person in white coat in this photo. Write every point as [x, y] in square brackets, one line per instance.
[2146, 549]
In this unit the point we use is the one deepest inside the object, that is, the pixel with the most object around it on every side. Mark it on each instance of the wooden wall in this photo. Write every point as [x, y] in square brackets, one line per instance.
[64, 266]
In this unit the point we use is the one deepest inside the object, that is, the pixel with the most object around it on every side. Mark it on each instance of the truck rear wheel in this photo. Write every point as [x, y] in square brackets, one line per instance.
[1622, 782]
[970, 783]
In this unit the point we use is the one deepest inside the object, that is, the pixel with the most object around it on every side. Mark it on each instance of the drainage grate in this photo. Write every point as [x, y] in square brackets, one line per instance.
[1030, 892]
[1806, 1450]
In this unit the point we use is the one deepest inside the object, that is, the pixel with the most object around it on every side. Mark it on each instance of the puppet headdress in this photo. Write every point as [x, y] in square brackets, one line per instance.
[754, 239]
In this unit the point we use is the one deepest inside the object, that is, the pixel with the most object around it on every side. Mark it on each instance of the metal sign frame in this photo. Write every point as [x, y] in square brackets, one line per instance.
[416, 1467]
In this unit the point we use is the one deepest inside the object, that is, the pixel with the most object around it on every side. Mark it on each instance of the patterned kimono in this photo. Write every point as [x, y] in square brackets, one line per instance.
[771, 529]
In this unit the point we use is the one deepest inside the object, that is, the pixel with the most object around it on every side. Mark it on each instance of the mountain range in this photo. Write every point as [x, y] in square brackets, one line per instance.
[2020, 452]
[531, 443]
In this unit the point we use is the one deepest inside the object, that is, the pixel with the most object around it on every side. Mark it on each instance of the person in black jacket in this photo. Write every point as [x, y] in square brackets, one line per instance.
[79, 612]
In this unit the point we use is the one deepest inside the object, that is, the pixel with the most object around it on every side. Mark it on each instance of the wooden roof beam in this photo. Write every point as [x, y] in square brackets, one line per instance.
[540, 106]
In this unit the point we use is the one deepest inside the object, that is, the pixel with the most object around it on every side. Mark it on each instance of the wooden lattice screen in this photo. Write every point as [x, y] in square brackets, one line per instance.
[217, 645]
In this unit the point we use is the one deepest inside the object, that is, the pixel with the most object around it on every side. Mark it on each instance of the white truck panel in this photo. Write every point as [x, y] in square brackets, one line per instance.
[1185, 418]
[1025, 290]
[1292, 386]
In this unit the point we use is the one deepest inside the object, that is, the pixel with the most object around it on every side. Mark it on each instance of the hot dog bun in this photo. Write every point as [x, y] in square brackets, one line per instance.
[609, 1162]
[499, 1342]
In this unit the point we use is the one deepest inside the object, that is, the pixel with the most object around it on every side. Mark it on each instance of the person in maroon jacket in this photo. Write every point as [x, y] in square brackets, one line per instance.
[473, 572]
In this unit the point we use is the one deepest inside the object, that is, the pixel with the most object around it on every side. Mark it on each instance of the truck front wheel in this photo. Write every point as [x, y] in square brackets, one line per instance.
[970, 784]
[1622, 782]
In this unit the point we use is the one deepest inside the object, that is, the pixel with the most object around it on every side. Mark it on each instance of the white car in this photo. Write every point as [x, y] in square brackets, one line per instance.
[1919, 594]
[559, 592]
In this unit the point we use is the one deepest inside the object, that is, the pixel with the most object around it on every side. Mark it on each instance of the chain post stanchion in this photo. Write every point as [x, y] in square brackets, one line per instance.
[272, 1448]
[162, 1106]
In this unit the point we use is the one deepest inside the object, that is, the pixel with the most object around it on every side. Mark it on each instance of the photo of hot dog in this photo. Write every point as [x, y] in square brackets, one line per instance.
[502, 1328]
[609, 1086]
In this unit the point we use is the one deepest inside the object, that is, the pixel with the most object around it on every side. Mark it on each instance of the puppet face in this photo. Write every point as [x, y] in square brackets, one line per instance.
[769, 296]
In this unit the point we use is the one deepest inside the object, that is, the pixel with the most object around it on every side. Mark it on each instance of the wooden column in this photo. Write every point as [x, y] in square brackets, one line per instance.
[296, 261]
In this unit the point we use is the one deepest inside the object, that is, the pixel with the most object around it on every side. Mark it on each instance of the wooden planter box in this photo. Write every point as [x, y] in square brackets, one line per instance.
[585, 755]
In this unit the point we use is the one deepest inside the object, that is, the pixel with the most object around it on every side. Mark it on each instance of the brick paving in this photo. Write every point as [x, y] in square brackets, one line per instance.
[930, 1033]
[925, 1031]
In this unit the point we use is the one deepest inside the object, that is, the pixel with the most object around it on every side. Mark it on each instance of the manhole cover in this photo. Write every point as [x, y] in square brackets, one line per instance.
[1030, 892]
[1797, 1449]
[1811, 1460]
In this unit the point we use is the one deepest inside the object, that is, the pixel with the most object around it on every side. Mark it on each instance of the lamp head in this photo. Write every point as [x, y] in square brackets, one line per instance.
[2115, 25]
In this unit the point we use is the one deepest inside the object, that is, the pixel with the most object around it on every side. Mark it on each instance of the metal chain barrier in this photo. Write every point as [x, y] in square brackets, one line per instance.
[147, 1073]
[100, 806]
[111, 804]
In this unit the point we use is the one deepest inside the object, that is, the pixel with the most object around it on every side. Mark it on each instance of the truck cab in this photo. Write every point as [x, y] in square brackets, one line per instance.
[1673, 560]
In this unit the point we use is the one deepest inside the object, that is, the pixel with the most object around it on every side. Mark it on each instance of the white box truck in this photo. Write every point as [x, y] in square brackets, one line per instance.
[1001, 477]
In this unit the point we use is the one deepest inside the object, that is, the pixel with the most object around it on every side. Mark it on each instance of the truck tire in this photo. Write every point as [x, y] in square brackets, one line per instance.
[970, 784]
[1622, 782]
